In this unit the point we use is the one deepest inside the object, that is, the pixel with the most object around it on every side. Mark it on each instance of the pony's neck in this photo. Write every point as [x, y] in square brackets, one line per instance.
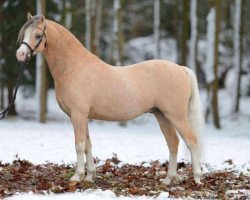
[64, 50]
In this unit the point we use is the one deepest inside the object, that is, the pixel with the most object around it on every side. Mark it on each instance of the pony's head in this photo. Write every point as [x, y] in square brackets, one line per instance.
[32, 37]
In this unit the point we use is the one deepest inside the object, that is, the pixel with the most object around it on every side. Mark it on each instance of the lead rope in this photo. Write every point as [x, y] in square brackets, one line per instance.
[5, 111]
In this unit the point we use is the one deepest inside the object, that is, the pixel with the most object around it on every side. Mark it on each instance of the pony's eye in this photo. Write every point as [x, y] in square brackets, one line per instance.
[38, 36]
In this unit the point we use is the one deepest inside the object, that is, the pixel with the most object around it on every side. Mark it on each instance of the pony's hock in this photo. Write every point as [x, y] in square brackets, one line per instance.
[101, 91]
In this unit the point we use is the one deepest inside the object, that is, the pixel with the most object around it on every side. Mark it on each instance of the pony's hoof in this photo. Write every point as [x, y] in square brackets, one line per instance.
[73, 183]
[76, 178]
[89, 178]
[166, 181]
[197, 180]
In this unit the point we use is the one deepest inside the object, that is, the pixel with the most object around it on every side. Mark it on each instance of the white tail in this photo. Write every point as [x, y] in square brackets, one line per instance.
[195, 116]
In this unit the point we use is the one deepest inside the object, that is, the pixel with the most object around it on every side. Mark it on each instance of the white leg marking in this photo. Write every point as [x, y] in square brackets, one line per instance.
[91, 170]
[172, 169]
[80, 169]
[196, 165]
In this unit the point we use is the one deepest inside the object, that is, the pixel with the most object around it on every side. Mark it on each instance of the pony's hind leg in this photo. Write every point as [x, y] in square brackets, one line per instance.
[91, 169]
[172, 140]
[184, 129]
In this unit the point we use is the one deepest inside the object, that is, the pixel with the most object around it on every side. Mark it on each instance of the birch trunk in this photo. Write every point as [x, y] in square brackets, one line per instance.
[211, 66]
[237, 54]
[41, 74]
[157, 28]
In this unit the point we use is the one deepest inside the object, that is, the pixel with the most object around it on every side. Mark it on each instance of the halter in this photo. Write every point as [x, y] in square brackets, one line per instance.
[31, 53]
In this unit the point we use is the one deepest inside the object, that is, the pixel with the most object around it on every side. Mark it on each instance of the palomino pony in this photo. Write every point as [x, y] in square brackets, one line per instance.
[88, 88]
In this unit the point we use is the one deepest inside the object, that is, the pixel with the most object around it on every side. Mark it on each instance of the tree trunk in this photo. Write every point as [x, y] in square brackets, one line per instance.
[238, 35]
[116, 22]
[68, 15]
[98, 22]
[184, 33]
[157, 28]
[194, 36]
[41, 74]
[1, 81]
[1, 95]
[211, 66]
[215, 85]
[88, 24]
[10, 88]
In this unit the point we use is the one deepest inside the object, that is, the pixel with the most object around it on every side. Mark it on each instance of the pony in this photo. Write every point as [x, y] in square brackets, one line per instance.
[88, 88]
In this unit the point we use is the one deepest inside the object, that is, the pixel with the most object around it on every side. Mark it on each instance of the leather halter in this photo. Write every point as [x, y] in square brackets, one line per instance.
[31, 53]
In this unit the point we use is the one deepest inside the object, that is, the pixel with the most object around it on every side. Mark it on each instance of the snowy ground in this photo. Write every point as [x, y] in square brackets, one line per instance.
[141, 140]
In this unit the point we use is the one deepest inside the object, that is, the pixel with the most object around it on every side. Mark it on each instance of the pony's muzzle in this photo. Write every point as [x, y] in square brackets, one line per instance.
[22, 56]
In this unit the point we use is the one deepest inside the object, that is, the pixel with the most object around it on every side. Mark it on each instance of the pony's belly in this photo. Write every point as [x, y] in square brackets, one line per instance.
[116, 113]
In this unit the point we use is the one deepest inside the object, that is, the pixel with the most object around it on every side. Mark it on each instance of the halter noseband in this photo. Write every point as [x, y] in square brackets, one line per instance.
[31, 53]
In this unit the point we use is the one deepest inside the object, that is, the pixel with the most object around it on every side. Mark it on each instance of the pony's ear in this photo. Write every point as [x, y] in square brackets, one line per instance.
[29, 16]
[42, 18]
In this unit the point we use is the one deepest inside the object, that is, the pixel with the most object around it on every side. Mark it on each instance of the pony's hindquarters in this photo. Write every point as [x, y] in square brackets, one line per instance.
[195, 116]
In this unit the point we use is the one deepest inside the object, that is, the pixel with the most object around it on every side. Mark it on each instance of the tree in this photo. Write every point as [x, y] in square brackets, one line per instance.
[66, 18]
[98, 23]
[194, 36]
[184, 34]
[157, 28]
[88, 24]
[211, 66]
[215, 85]
[1, 84]
[238, 35]
[116, 54]
[41, 74]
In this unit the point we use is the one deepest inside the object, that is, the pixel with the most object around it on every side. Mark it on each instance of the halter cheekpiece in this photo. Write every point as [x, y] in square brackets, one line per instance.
[31, 53]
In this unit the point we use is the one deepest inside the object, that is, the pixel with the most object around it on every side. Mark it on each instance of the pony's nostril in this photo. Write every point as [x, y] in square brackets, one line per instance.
[20, 55]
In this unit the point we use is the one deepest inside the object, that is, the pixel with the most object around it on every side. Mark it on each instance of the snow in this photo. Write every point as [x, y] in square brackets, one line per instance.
[89, 195]
[141, 140]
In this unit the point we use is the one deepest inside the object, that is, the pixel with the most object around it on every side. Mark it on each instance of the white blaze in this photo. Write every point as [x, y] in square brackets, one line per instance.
[26, 39]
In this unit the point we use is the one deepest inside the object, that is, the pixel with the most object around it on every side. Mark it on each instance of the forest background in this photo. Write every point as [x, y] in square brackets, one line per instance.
[209, 36]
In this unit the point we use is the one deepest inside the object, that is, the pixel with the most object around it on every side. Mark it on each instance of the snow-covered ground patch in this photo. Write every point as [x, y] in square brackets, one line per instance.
[141, 140]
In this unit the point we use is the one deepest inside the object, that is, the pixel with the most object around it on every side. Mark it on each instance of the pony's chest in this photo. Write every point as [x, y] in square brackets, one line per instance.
[62, 101]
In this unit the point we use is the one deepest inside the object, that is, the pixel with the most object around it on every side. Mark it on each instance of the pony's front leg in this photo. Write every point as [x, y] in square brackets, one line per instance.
[91, 169]
[79, 122]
